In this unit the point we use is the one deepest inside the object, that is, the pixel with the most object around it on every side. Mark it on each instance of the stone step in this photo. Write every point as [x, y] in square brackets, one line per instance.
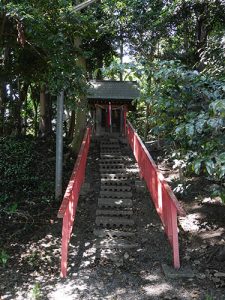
[111, 194]
[116, 244]
[114, 203]
[109, 221]
[110, 147]
[111, 163]
[111, 166]
[110, 160]
[115, 188]
[110, 212]
[120, 177]
[115, 176]
[119, 172]
[112, 233]
[107, 143]
[109, 150]
[114, 139]
[109, 155]
[117, 182]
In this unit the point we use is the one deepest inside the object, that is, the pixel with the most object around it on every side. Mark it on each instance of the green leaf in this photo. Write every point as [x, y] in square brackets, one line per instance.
[190, 130]
[209, 166]
[222, 195]
[197, 166]
[199, 125]
[12, 208]
[221, 157]
[3, 257]
[222, 171]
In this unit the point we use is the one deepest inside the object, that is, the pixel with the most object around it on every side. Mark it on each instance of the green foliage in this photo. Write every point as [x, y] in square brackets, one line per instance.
[34, 259]
[3, 257]
[188, 109]
[209, 297]
[12, 208]
[49, 54]
[24, 175]
[16, 164]
[36, 291]
[179, 46]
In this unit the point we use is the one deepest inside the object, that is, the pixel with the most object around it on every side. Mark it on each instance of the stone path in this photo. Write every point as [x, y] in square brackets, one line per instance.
[114, 216]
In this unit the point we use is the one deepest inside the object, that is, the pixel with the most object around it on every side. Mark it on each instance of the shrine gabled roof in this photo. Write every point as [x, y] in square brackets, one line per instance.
[113, 90]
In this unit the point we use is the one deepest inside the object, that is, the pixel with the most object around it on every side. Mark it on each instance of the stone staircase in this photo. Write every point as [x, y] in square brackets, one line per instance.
[114, 229]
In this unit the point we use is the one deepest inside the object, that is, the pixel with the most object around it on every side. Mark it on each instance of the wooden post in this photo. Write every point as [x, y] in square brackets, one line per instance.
[65, 245]
[125, 119]
[110, 117]
[98, 120]
[175, 242]
[121, 120]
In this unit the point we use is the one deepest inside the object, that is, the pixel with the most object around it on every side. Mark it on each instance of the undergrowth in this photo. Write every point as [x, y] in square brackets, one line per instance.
[26, 172]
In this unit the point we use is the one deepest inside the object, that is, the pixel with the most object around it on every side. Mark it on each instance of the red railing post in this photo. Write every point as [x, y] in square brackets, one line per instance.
[175, 242]
[125, 119]
[165, 202]
[65, 244]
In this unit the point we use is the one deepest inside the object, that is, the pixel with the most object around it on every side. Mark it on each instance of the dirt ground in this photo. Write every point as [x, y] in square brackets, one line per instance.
[32, 270]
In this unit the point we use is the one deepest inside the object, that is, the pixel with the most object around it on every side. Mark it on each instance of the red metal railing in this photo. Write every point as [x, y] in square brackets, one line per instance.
[68, 207]
[165, 201]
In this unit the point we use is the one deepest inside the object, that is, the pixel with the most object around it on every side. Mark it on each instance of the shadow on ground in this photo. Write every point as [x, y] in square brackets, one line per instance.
[33, 273]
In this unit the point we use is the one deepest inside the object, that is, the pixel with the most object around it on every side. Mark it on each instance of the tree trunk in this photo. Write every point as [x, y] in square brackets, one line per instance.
[2, 107]
[148, 110]
[202, 32]
[42, 124]
[48, 115]
[147, 115]
[3, 84]
[79, 126]
[25, 117]
[81, 111]
[121, 52]
[72, 125]
[35, 101]
[18, 121]
[45, 124]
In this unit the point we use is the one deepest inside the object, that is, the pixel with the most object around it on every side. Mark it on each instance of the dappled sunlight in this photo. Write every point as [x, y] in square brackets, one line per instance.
[150, 277]
[191, 222]
[66, 291]
[212, 234]
[94, 273]
[156, 290]
[89, 257]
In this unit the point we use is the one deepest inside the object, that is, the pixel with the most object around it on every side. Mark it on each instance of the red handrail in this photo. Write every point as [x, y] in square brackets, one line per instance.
[165, 201]
[67, 210]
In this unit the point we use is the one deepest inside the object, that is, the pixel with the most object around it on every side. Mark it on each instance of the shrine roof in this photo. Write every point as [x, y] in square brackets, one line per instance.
[113, 90]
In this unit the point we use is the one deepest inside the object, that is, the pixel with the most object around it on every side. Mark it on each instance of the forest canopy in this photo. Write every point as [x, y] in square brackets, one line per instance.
[176, 49]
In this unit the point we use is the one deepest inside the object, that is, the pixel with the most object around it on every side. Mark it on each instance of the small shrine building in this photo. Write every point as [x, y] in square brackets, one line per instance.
[109, 101]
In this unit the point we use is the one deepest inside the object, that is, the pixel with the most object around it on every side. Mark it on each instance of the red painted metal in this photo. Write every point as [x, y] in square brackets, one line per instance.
[68, 207]
[109, 115]
[125, 118]
[165, 201]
